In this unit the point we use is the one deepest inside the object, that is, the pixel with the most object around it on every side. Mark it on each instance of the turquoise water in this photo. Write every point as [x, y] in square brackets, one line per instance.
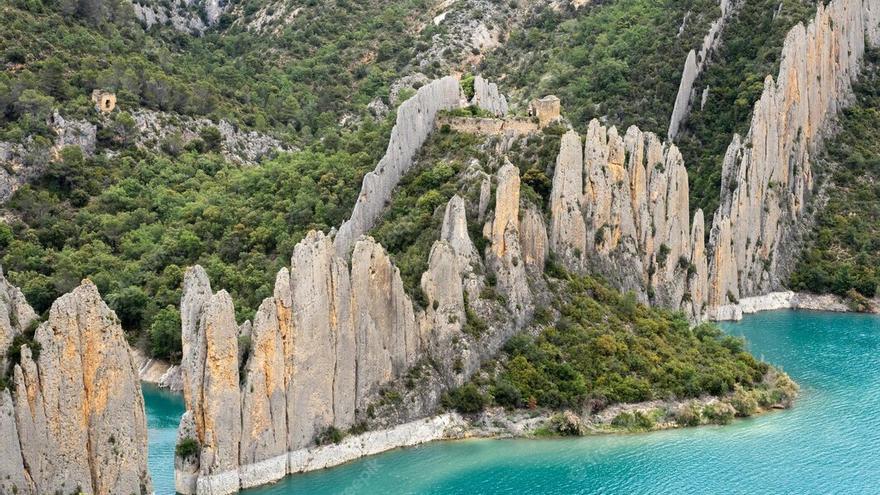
[828, 443]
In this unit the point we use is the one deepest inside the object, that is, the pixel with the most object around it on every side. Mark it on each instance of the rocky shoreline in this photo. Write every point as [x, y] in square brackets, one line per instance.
[158, 371]
[500, 423]
[788, 300]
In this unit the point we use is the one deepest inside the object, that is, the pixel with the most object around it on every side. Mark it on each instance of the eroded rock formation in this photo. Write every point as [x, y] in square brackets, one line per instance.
[416, 118]
[630, 222]
[767, 177]
[75, 420]
[620, 208]
[694, 65]
[337, 336]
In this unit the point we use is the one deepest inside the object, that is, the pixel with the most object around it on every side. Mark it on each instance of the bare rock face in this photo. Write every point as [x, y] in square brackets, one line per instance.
[623, 212]
[505, 254]
[385, 324]
[78, 409]
[533, 240]
[415, 120]
[568, 230]
[767, 177]
[631, 221]
[15, 316]
[13, 477]
[318, 352]
[487, 97]
[455, 231]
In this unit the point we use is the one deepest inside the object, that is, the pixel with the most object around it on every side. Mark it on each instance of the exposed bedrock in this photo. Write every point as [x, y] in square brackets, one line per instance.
[323, 353]
[620, 208]
[415, 121]
[630, 220]
[74, 420]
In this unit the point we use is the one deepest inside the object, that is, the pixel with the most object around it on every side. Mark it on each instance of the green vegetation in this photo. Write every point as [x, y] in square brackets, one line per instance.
[329, 435]
[750, 51]
[605, 349]
[620, 60]
[187, 447]
[843, 256]
[331, 59]
[146, 217]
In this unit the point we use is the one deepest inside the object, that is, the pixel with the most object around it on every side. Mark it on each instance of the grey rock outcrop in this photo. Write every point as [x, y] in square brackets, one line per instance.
[620, 209]
[631, 221]
[415, 120]
[238, 146]
[767, 177]
[77, 411]
[183, 15]
[487, 97]
[695, 64]
[319, 352]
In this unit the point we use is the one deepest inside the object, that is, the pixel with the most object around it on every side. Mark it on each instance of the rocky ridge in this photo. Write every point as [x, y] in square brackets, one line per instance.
[74, 419]
[415, 120]
[694, 65]
[342, 347]
[628, 218]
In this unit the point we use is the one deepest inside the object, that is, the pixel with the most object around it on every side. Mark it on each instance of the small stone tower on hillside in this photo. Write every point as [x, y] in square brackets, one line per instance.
[105, 101]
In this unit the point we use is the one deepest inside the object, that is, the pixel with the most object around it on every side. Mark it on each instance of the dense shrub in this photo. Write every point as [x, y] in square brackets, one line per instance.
[607, 349]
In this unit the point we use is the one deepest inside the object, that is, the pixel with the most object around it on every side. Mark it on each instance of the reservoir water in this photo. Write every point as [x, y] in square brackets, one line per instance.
[828, 443]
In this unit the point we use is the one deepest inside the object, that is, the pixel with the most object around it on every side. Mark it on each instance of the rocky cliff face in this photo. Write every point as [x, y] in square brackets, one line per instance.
[341, 344]
[619, 207]
[415, 120]
[75, 420]
[694, 65]
[629, 221]
[16, 315]
[767, 177]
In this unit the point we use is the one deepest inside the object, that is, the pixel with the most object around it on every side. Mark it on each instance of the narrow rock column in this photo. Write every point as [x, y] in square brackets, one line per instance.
[78, 405]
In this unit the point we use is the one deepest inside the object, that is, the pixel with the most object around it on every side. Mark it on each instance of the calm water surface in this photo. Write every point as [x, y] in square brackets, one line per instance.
[828, 443]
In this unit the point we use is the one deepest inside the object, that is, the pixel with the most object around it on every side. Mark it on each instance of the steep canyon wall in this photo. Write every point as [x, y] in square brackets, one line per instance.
[73, 420]
[620, 204]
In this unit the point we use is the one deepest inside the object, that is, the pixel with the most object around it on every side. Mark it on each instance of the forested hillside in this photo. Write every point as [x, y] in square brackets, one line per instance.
[324, 79]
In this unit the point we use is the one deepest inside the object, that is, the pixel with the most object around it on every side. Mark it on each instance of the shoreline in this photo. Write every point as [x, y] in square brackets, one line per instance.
[785, 300]
[157, 371]
[492, 424]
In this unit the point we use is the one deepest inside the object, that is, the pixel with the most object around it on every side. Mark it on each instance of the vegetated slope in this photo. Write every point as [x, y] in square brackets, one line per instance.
[606, 349]
[749, 52]
[618, 60]
[150, 216]
[331, 60]
[843, 254]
